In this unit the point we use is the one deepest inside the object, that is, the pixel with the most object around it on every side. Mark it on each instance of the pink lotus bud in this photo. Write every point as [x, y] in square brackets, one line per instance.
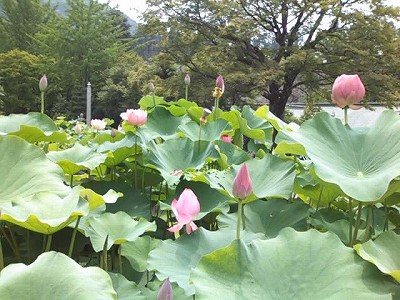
[166, 292]
[220, 83]
[98, 124]
[242, 186]
[113, 133]
[186, 208]
[77, 128]
[136, 117]
[187, 79]
[347, 90]
[226, 138]
[43, 83]
[151, 87]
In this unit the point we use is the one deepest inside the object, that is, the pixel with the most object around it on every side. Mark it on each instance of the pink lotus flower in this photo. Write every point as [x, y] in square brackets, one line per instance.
[77, 128]
[242, 185]
[186, 208]
[166, 292]
[226, 138]
[347, 90]
[220, 83]
[98, 124]
[136, 117]
[43, 83]
[187, 79]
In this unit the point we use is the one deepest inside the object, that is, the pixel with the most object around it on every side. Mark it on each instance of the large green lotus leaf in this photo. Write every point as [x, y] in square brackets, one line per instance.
[160, 123]
[264, 113]
[133, 202]
[55, 276]
[32, 127]
[175, 259]
[230, 154]
[294, 265]
[126, 290]
[119, 228]
[118, 151]
[238, 122]
[179, 155]
[269, 217]
[137, 252]
[255, 122]
[383, 252]
[148, 101]
[271, 176]
[211, 131]
[353, 157]
[32, 192]
[77, 158]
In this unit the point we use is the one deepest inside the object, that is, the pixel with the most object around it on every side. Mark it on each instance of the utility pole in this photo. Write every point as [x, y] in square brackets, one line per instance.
[88, 103]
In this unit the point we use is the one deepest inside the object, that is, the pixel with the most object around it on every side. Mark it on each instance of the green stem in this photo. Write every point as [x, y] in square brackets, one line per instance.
[350, 222]
[9, 241]
[154, 100]
[120, 260]
[14, 240]
[42, 102]
[104, 256]
[48, 243]
[199, 137]
[239, 218]
[216, 108]
[186, 92]
[136, 186]
[386, 226]
[243, 218]
[28, 242]
[345, 116]
[144, 169]
[357, 224]
[1, 257]
[71, 183]
[73, 237]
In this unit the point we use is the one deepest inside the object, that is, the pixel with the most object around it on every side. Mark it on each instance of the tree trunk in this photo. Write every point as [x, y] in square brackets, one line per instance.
[278, 97]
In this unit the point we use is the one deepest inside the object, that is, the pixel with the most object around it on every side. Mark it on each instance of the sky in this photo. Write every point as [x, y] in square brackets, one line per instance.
[134, 8]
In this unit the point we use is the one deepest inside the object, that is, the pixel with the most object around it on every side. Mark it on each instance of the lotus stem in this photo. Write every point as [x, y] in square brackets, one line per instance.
[42, 102]
[28, 242]
[239, 218]
[1, 257]
[154, 100]
[14, 241]
[216, 108]
[350, 221]
[48, 243]
[9, 241]
[136, 150]
[357, 224]
[243, 218]
[346, 121]
[71, 183]
[386, 226]
[186, 92]
[72, 243]
[104, 256]
[120, 259]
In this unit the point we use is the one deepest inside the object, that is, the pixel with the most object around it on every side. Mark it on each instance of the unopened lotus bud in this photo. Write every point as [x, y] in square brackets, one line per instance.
[113, 133]
[151, 87]
[220, 83]
[78, 128]
[166, 292]
[43, 83]
[187, 79]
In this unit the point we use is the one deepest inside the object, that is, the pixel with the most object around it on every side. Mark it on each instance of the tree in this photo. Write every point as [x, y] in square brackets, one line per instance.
[272, 47]
[82, 46]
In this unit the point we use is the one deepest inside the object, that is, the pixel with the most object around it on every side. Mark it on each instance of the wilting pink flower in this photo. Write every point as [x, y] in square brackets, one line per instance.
[77, 128]
[98, 124]
[136, 117]
[166, 292]
[242, 186]
[187, 79]
[220, 83]
[186, 208]
[347, 90]
[43, 83]
[226, 138]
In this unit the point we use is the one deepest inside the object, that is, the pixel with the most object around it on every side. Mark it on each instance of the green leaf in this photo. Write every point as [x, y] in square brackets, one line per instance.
[294, 265]
[383, 252]
[149, 100]
[32, 127]
[269, 217]
[238, 122]
[55, 276]
[175, 259]
[180, 155]
[126, 290]
[211, 131]
[137, 252]
[353, 157]
[77, 158]
[119, 228]
[32, 192]
[118, 151]
[271, 176]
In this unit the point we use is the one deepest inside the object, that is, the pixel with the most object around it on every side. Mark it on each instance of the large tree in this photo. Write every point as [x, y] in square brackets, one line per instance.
[273, 48]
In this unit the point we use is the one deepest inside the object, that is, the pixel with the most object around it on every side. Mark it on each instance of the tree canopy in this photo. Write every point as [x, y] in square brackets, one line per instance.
[277, 48]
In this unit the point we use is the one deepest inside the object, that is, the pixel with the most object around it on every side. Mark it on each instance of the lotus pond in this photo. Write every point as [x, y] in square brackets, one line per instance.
[86, 213]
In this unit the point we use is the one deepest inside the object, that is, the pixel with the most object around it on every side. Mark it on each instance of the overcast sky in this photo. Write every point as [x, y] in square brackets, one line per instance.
[134, 8]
